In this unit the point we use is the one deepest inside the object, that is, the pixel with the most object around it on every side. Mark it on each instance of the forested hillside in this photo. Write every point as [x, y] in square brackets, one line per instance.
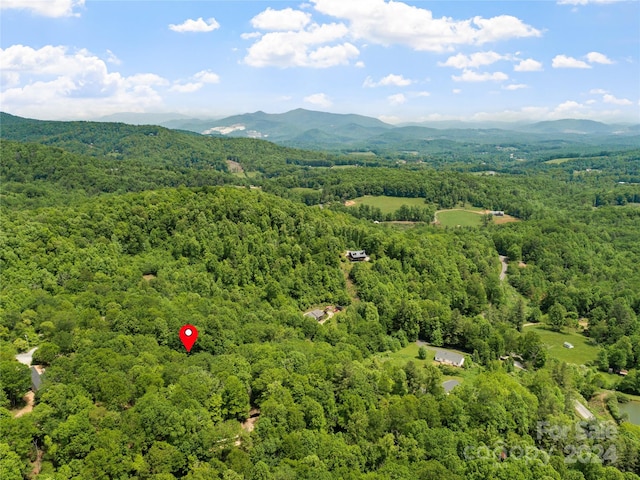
[104, 257]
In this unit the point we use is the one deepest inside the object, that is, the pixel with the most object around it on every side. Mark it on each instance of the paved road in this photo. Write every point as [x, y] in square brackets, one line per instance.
[503, 273]
[27, 357]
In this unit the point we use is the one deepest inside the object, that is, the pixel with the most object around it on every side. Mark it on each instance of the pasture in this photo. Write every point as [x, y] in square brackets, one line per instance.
[386, 204]
[463, 218]
[581, 354]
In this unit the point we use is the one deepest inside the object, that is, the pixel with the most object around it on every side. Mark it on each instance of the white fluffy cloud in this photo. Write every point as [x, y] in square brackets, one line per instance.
[396, 23]
[388, 81]
[304, 48]
[563, 61]
[515, 86]
[198, 25]
[473, 76]
[207, 76]
[198, 81]
[474, 60]
[528, 65]
[318, 99]
[47, 8]
[294, 40]
[250, 35]
[281, 20]
[53, 81]
[186, 87]
[608, 98]
[596, 57]
[397, 99]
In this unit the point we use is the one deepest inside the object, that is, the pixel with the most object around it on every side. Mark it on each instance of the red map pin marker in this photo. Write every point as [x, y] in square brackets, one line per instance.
[188, 336]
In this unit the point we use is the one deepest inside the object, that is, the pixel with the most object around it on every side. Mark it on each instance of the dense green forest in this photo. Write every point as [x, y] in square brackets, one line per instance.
[112, 237]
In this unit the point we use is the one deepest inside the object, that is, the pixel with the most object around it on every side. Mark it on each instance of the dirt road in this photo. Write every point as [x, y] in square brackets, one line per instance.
[503, 273]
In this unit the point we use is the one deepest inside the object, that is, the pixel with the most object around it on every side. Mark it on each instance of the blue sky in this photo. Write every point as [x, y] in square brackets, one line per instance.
[394, 60]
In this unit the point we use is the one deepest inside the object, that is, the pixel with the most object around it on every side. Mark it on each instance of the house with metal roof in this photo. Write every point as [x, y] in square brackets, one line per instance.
[449, 358]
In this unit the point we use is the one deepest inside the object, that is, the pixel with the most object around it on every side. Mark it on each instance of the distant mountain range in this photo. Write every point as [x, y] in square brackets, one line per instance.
[313, 130]
[320, 130]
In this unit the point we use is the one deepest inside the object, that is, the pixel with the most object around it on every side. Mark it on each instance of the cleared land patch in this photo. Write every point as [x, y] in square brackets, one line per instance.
[558, 161]
[580, 354]
[468, 217]
[386, 204]
[462, 218]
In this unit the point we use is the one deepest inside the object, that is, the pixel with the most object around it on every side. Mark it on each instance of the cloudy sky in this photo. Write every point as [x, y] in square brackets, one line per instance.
[395, 60]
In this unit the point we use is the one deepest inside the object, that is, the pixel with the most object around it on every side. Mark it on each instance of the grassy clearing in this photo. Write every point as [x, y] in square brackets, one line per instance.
[558, 161]
[504, 219]
[463, 218]
[388, 204]
[581, 354]
[406, 354]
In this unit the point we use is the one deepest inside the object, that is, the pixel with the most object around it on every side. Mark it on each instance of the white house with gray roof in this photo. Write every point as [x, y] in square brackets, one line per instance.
[449, 358]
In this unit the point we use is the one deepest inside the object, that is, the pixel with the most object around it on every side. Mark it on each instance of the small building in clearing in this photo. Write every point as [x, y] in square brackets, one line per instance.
[497, 213]
[356, 255]
[449, 358]
[316, 314]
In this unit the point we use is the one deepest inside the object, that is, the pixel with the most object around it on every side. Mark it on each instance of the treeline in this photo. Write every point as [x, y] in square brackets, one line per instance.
[409, 213]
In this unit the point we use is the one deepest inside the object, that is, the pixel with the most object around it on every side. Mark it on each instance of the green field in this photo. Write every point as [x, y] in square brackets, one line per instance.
[408, 353]
[463, 218]
[558, 161]
[389, 204]
[581, 354]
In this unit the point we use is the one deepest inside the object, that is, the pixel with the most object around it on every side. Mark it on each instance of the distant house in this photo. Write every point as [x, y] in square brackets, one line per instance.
[497, 213]
[356, 255]
[567, 345]
[315, 314]
[449, 358]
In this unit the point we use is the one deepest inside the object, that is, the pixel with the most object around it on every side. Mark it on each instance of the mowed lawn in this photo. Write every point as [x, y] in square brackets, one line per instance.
[580, 354]
[464, 218]
[387, 204]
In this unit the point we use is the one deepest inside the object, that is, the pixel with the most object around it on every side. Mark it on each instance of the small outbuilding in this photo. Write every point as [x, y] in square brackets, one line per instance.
[316, 314]
[356, 255]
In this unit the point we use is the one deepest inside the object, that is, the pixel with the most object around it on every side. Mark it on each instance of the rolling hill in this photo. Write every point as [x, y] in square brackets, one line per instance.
[342, 132]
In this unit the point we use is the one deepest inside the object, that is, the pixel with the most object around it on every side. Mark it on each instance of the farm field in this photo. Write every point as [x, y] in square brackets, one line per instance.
[386, 204]
[581, 354]
[463, 218]
[558, 161]
[468, 217]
